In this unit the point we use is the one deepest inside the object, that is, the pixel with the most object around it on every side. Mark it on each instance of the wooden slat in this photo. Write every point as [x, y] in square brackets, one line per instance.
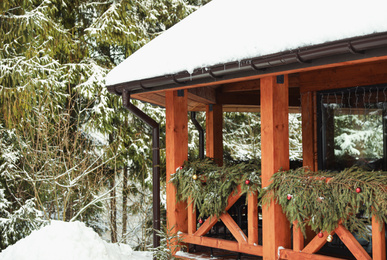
[235, 230]
[191, 217]
[176, 154]
[275, 155]
[223, 244]
[214, 133]
[298, 238]
[293, 255]
[352, 244]
[317, 243]
[252, 218]
[378, 240]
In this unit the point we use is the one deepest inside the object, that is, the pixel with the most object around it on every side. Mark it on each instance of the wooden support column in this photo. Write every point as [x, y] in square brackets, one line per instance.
[378, 240]
[176, 154]
[214, 133]
[275, 155]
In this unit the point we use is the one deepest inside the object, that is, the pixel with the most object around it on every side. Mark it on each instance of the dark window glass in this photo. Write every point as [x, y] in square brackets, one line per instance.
[352, 128]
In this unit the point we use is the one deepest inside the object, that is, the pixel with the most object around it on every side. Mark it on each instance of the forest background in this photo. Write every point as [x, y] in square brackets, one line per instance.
[68, 149]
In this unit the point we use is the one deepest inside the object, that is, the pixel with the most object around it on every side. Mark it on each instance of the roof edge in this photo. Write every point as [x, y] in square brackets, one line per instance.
[331, 52]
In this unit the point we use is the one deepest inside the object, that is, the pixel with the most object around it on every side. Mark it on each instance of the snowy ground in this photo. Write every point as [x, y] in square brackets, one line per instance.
[69, 241]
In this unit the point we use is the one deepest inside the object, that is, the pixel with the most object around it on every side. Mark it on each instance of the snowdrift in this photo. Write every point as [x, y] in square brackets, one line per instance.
[69, 241]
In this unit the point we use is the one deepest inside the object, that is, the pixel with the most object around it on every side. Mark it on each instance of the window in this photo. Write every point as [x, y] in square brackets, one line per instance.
[352, 128]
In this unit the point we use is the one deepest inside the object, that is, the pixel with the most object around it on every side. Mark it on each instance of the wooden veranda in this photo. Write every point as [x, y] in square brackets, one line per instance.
[274, 95]
[273, 85]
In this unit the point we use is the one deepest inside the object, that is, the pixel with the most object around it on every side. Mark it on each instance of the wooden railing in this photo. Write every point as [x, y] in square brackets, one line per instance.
[249, 243]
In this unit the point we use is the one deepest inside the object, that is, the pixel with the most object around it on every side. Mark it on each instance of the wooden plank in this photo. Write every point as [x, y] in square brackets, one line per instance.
[275, 155]
[347, 76]
[308, 130]
[378, 240]
[235, 230]
[293, 255]
[317, 243]
[214, 133]
[298, 238]
[176, 154]
[352, 244]
[205, 95]
[223, 244]
[252, 218]
[191, 217]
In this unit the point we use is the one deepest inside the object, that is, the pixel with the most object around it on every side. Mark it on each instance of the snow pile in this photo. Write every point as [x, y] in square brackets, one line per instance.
[232, 30]
[69, 241]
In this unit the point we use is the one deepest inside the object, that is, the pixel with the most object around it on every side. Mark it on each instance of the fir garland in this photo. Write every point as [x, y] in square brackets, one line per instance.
[316, 199]
[322, 199]
[209, 186]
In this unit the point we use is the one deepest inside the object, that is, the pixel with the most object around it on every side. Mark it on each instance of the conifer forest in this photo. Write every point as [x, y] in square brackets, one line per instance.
[68, 149]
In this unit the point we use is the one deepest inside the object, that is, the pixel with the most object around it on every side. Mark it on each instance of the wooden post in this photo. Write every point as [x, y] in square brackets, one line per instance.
[214, 133]
[378, 240]
[275, 155]
[176, 154]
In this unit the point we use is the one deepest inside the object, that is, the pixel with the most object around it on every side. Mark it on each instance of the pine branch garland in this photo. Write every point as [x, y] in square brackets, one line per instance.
[317, 199]
[213, 186]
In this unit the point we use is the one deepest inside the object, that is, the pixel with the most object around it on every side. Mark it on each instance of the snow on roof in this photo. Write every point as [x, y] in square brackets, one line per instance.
[69, 240]
[232, 30]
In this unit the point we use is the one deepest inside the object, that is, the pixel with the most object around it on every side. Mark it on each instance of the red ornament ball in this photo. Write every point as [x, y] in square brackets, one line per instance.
[320, 235]
[289, 197]
[200, 221]
[247, 182]
[181, 167]
[358, 190]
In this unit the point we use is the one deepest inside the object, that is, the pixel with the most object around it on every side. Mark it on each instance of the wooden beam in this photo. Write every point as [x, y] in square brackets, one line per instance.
[317, 243]
[205, 95]
[275, 155]
[239, 98]
[223, 244]
[211, 221]
[252, 218]
[293, 255]
[352, 244]
[235, 230]
[191, 217]
[378, 240]
[214, 133]
[343, 77]
[176, 154]
[298, 238]
[250, 85]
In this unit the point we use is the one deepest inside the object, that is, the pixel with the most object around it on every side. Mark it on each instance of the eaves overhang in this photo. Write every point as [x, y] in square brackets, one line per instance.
[350, 49]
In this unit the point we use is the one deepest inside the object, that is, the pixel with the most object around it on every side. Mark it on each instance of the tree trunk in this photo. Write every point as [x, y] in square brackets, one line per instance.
[113, 209]
[124, 203]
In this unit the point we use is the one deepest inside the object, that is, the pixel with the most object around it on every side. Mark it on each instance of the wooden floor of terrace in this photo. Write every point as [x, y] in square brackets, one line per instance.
[203, 252]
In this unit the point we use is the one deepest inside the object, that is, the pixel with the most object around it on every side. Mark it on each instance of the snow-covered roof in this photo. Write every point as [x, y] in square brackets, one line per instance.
[233, 30]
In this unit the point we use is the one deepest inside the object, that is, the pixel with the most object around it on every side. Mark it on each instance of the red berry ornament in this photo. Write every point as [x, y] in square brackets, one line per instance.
[289, 197]
[320, 235]
[358, 190]
[200, 221]
[247, 182]
[181, 167]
